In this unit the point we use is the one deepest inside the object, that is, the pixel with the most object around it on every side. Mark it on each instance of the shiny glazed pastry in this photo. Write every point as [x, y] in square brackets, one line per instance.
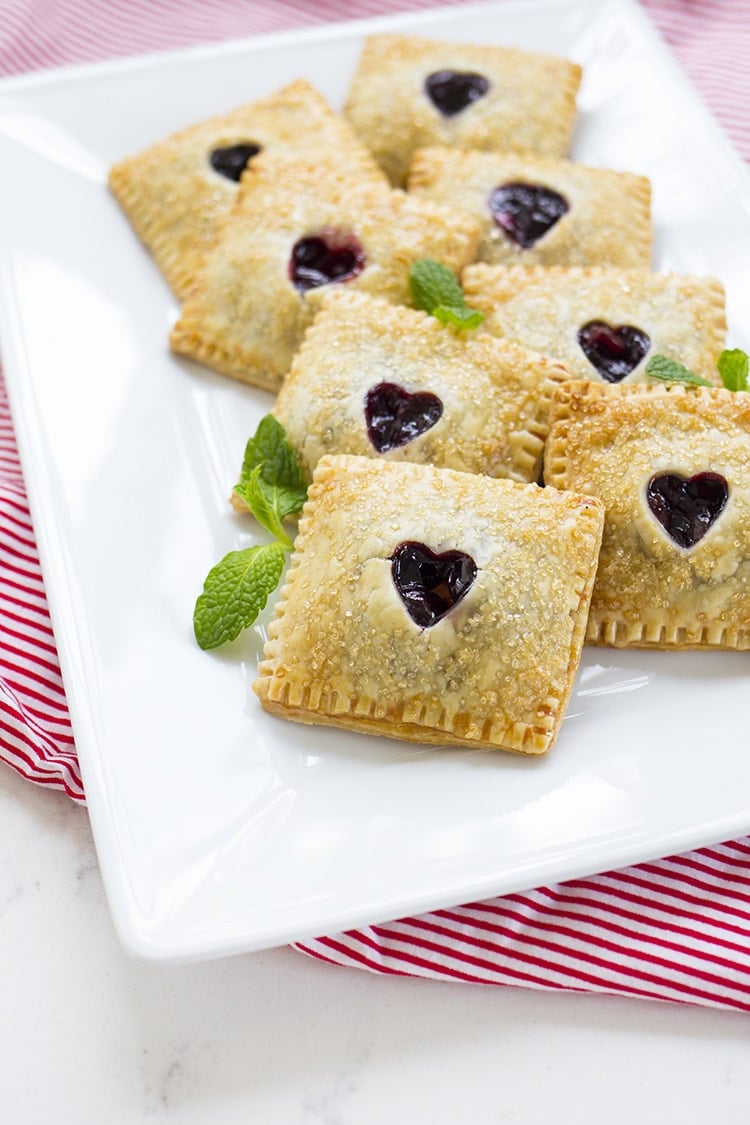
[603, 324]
[671, 464]
[381, 380]
[293, 234]
[536, 211]
[176, 192]
[408, 92]
[432, 606]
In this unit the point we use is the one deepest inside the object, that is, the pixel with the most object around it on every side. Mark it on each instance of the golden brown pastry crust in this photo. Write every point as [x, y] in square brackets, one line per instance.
[543, 309]
[175, 200]
[649, 591]
[608, 222]
[246, 319]
[530, 106]
[495, 396]
[496, 671]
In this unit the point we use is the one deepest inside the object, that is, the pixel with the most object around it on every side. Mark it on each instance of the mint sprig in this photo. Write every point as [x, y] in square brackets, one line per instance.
[670, 371]
[733, 366]
[267, 504]
[235, 592]
[270, 470]
[238, 587]
[436, 290]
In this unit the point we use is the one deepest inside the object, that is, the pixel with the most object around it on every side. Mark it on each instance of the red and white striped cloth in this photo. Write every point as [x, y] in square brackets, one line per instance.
[677, 929]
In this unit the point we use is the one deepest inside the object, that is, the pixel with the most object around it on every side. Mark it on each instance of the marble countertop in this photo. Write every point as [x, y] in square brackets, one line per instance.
[87, 1034]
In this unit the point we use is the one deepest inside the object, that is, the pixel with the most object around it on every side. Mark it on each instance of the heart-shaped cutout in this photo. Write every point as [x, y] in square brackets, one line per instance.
[614, 350]
[396, 416]
[687, 506]
[451, 91]
[430, 584]
[526, 211]
[231, 160]
[327, 256]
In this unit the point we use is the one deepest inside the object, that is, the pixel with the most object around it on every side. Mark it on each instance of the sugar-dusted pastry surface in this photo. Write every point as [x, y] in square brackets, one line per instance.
[530, 102]
[651, 591]
[683, 317]
[477, 404]
[246, 317]
[496, 671]
[607, 220]
[174, 197]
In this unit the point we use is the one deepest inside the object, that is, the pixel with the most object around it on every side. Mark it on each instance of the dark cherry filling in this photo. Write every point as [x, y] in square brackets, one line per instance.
[321, 258]
[687, 506]
[614, 351]
[231, 160]
[450, 91]
[526, 211]
[396, 416]
[430, 585]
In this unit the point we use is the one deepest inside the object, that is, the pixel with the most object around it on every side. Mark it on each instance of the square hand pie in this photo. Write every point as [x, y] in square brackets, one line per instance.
[671, 465]
[409, 92]
[292, 234]
[382, 380]
[603, 324]
[176, 192]
[432, 606]
[536, 211]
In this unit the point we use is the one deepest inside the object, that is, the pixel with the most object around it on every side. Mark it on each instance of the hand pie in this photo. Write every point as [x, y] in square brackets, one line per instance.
[432, 606]
[671, 465]
[176, 192]
[382, 380]
[293, 234]
[603, 324]
[409, 92]
[536, 211]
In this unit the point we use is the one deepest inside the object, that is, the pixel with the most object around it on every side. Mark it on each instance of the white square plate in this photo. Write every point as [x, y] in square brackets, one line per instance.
[220, 829]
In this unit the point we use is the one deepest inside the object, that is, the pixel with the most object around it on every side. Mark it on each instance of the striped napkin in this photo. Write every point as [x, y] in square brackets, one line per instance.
[677, 929]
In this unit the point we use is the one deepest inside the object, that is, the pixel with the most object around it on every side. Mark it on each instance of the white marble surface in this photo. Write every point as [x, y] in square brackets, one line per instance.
[87, 1035]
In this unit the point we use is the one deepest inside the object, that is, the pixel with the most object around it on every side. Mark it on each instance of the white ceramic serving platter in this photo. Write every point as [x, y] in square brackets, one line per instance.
[220, 829]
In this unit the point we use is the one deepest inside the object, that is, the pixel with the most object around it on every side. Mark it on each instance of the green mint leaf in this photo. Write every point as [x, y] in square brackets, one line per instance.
[271, 482]
[235, 592]
[733, 367]
[433, 284]
[435, 289]
[270, 451]
[263, 501]
[669, 371]
[463, 317]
